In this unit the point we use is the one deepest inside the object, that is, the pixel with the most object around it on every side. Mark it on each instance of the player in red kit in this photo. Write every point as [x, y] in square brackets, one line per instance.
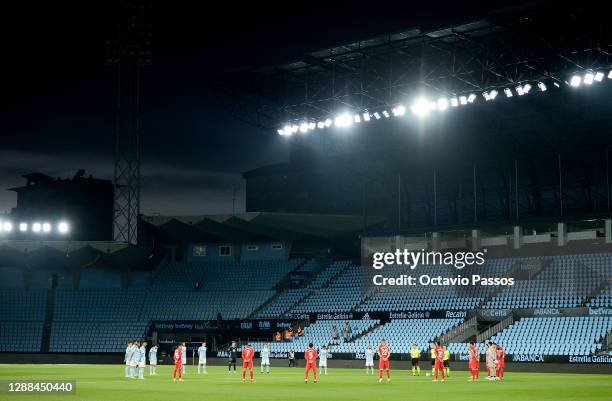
[384, 352]
[439, 364]
[500, 354]
[474, 361]
[178, 363]
[310, 355]
[247, 361]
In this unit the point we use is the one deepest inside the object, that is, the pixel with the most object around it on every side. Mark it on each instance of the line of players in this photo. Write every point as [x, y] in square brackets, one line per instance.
[135, 360]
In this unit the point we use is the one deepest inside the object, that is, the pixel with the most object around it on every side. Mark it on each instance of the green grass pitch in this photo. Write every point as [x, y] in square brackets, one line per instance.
[106, 382]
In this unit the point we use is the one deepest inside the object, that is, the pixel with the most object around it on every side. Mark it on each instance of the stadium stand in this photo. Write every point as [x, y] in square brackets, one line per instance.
[10, 278]
[94, 337]
[603, 299]
[96, 278]
[20, 336]
[565, 283]
[98, 305]
[22, 305]
[555, 335]
[281, 304]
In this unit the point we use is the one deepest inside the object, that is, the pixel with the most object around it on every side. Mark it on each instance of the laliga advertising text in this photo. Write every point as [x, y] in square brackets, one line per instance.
[459, 260]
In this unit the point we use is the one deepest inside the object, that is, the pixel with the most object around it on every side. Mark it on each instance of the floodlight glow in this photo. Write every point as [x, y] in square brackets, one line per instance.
[556, 84]
[321, 124]
[63, 227]
[420, 107]
[366, 116]
[385, 113]
[486, 96]
[519, 90]
[432, 106]
[311, 126]
[343, 120]
[493, 94]
[442, 104]
[542, 86]
[399, 111]
[303, 128]
[23, 227]
[471, 98]
[36, 227]
[328, 122]
[599, 76]
[376, 115]
[610, 75]
[462, 100]
[575, 81]
[588, 78]
[46, 227]
[294, 128]
[7, 226]
[287, 130]
[280, 132]
[357, 118]
[508, 92]
[527, 88]
[454, 102]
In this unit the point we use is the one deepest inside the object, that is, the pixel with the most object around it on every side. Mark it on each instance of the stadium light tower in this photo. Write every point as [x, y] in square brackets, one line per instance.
[128, 48]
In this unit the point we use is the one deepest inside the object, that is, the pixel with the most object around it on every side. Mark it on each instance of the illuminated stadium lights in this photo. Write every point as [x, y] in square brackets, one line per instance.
[575, 81]
[420, 107]
[486, 96]
[36, 227]
[294, 128]
[357, 118]
[462, 100]
[442, 104]
[328, 122]
[471, 98]
[542, 86]
[311, 126]
[385, 113]
[526, 88]
[63, 227]
[366, 116]
[287, 130]
[7, 226]
[321, 125]
[610, 75]
[493, 94]
[23, 227]
[280, 132]
[588, 78]
[303, 128]
[46, 227]
[376, 115]
[343, 120]
[508, 92]
[599, 76]
[399, 111]
[519, 90]
[454, 102]
[556, 84]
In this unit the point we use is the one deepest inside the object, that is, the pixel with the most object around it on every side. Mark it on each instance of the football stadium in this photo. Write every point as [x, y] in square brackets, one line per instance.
[440, 223]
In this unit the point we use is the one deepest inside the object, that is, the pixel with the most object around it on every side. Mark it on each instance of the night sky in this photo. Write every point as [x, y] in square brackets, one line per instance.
[60, 99]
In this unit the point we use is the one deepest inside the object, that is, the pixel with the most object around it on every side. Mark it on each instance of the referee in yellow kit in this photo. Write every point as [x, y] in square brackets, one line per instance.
[415, 354]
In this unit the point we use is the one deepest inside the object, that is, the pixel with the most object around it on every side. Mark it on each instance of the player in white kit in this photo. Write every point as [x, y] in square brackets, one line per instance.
[184, 360]
[323, 355]
[202, 358]
[265, 358]
[153, 360]
[369, 359]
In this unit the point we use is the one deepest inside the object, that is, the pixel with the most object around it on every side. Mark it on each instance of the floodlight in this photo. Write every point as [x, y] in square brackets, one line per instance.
[508, 92]
[366, 116]
[526, 88]
[442, 104]
[454, 102]
[399, 111]
[287, 130]
[303, 128]
[343, 120]
[321, 124]
[311, 125]
[519, 90]
[542, 86]
[328, 122]
[575, 81]
[462, 100]
[610, 75]
[556, 84]
[486, 96]
[385, 113]
[471, 98]
[46, 227]
[294, 128]
[7, 226]
[63, 227]
[36, 227]
[588, 78]
[376, 115]
[280, 132]
[23, 227]
[357, 118]
[493, 94]
[599, 76]
[420, 107]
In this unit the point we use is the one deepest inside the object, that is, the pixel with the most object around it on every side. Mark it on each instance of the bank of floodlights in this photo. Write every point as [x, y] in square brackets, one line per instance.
[61, 227]
[421, 107]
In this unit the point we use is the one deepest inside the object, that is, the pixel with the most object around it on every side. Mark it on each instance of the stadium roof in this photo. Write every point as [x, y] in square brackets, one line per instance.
[530, 42]
[251, 227]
